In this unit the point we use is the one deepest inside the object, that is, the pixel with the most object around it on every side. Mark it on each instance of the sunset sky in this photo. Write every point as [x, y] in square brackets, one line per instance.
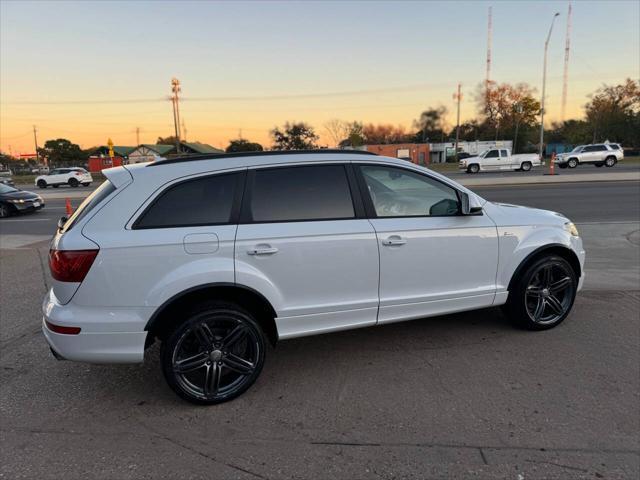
[88, 71]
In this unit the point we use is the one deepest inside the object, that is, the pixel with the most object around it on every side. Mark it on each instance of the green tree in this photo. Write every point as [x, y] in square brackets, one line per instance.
[614, 113]
[61, 152]
[294, 136]
[242, 145]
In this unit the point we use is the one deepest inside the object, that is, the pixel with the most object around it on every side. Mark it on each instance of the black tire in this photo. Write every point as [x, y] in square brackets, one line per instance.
[42, 184]
[73, 182]
[526, 166]
[86, 184]
[534, 303]
[572, 163]
[223, 343]
[610, 161]
[5, 210]
[473, 168]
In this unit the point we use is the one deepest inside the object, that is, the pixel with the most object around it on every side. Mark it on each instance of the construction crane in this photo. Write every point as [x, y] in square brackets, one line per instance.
[565, 76]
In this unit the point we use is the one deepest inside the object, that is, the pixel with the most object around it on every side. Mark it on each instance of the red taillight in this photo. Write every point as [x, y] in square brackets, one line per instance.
[61, 329]
[71, 265]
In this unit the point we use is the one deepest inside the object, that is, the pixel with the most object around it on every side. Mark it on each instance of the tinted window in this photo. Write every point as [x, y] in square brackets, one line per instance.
[89, 203]
[301, 193]
[397, 192]
[203, 201]
[503, 153]
[492, 154]
[614, 146]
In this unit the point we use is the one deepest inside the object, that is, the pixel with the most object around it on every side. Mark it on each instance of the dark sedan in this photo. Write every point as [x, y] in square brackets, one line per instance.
[13, 201]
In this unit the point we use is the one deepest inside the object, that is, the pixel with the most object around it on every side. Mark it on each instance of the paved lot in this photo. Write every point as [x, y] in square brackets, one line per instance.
[457, 396]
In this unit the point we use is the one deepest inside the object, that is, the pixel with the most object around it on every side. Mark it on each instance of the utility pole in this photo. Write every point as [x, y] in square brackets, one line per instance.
[518, 110]
[137, 136]
[458, 98]
[175, 89]
[35, 139]
[489, 40]
[565, 75]
[544, 84]
[184, 131]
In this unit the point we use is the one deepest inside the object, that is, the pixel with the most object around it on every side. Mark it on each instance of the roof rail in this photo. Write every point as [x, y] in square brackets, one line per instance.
[212, 156]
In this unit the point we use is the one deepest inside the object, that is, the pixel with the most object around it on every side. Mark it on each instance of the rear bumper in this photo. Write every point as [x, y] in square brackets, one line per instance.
[105, 335]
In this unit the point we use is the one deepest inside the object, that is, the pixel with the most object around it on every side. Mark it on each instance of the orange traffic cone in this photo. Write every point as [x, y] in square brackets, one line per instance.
[68, 208]
[552, 164]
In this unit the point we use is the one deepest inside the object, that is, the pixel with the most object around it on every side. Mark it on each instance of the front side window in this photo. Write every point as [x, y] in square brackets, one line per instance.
[396, 192]
[492, 154]
[300, 193]
[202, 201]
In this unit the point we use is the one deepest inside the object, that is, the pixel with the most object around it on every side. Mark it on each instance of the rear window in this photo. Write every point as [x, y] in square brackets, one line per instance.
[301, 194]
[203, 201]
[614, 146]
[89, 203]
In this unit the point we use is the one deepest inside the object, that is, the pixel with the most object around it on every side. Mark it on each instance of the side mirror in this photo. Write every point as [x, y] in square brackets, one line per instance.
[465, 205]
[61, 222]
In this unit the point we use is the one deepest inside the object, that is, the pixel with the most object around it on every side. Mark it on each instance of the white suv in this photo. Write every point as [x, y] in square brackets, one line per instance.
[73, 176]
[601, 154]
[218, 255]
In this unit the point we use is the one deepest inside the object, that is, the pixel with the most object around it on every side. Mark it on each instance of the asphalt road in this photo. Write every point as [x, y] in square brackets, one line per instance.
[458, 396]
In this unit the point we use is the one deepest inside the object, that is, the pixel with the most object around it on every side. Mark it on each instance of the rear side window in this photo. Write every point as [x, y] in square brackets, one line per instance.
[300, 193]
[614, 146]
[503, 153]
[89, 203]
[203, 201]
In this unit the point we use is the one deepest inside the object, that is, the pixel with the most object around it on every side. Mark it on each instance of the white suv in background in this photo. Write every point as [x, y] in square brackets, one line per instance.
[73, 176]
[607, 154]
[218, 255]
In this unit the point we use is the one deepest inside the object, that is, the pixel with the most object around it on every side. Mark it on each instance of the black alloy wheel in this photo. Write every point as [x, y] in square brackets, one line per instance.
[215, 355]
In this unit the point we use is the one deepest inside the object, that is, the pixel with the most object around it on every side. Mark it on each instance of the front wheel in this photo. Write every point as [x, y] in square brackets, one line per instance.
[215, 355]
[42, 184]
[474, 168]
[543, 296]
[5, 210]
[572, 163]
[525, 167]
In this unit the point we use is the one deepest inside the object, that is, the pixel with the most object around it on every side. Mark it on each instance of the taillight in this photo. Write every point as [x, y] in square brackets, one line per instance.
[71, 265]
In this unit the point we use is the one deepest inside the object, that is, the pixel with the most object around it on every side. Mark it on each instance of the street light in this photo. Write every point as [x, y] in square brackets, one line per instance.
[544, 83]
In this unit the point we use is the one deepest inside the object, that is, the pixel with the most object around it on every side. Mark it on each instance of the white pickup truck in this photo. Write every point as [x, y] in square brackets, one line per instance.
[500, 159]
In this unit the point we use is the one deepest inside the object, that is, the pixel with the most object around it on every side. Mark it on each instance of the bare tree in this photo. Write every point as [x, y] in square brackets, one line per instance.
[338, 130]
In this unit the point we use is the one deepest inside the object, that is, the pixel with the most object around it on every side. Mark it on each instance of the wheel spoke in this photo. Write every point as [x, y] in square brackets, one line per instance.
[534, 290]
[212, 380]
[191, 363]
[204, 335]
[234, 336]
[537, 314]
[555, 305]
[237, 364]
[546, 276]
[560, 284]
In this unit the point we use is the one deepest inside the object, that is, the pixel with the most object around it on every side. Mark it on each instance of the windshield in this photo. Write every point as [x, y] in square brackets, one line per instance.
[7, 189]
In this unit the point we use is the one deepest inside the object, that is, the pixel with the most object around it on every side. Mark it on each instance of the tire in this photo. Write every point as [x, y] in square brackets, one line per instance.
[534, 303]
[572, 163]
[525, 167]
[473, 168]
[73, 182]
[86, 184]
[224, 343]
[42, 184]
[5, 210]
[610, 161]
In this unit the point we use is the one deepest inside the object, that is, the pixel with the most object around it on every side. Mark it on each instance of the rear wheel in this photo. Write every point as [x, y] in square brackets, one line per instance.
[215, 355]
[86, 184]
[526, 166]
[42, 184]
[610, 161]
[572, 163]
[73, 182]
[473, 168]
[543, 296]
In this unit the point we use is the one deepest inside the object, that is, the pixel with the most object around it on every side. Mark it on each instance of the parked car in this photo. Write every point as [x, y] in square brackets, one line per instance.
[64, 176]
[500, 159]
[6, 177]
[607, 154]
[14, 201]
[216, 256]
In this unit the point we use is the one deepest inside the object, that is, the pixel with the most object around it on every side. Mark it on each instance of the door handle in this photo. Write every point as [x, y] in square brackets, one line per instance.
[394, 240]
[262, 251]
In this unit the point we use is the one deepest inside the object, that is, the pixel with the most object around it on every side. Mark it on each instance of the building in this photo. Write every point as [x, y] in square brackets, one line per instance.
[439, 152]
[101, 159]
[417, 153]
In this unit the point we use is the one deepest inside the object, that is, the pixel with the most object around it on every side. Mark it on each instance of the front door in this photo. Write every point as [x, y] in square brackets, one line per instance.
[304, 242]
[492, 160]
[432, 259]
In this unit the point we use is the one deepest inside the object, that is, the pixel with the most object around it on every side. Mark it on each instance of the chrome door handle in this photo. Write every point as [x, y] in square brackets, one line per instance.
[394, 240]
[262, 251]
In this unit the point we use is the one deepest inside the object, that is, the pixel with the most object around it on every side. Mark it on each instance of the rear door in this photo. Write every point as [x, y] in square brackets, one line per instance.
[304, 243]
[506, 162]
